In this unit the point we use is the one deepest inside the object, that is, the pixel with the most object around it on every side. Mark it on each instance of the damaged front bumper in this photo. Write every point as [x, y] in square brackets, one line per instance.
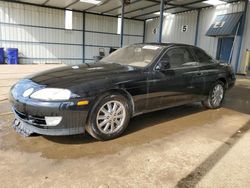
[26, 129]
[30, 117]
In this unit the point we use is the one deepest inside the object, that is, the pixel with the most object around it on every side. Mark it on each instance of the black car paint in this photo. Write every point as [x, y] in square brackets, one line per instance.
[147, 89]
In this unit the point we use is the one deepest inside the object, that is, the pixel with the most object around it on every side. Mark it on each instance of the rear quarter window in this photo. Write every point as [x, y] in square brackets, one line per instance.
[202, 56]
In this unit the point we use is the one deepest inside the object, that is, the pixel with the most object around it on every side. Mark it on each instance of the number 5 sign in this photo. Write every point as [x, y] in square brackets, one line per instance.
[184, 28]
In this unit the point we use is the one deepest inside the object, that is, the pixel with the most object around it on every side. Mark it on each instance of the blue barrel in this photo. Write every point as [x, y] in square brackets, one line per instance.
[12, 56]
[1, 55]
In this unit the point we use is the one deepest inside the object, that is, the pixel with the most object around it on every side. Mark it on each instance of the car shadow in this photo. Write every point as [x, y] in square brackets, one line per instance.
[162, 116]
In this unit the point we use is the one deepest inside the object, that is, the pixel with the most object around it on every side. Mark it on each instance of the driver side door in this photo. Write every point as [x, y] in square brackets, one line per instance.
[175, 82]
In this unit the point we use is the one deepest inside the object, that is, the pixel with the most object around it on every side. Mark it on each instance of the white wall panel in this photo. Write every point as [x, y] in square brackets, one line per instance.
[132, 40]
[39, 34]
[24, 33]
[151, 25]
[133, 27]
[34, 50]
[172, 28]
[101, 39]
[93, 51]
[101, 23]
[107, 36]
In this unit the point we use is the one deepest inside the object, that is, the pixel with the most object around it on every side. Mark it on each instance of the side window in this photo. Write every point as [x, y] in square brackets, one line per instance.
[179, 57]
[202, 57]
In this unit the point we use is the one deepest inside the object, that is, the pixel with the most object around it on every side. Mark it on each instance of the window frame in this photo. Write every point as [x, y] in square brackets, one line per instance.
[193, 48]
[176, 68]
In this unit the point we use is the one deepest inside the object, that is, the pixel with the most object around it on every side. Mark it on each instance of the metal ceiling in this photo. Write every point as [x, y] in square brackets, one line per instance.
[136, 9]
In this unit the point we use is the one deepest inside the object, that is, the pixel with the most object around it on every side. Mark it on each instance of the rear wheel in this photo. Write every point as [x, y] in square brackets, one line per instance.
[216, 96]
[109, 118]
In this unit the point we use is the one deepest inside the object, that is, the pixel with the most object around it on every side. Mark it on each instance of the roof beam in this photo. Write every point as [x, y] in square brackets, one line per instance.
[196, 9]
[191, 3]
[200, 1]
[208, 6]
[151, 12]
[142, 8]
[183, 6]
[110, 10]
[45, 2]
[100, 4]
[178, 6]
[172, 4]
[138, 9]
[74, 2]
[91, 7]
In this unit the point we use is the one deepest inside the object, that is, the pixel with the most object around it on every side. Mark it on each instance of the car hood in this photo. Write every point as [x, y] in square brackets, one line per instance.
[64, 77]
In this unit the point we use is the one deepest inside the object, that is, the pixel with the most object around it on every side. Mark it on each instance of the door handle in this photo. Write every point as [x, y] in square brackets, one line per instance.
[199, 74]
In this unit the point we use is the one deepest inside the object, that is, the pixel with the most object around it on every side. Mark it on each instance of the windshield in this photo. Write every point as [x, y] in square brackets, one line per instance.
[139, 55]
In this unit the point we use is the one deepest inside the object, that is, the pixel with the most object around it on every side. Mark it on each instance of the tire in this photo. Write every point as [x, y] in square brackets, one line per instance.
[216, 96]
[107, 121]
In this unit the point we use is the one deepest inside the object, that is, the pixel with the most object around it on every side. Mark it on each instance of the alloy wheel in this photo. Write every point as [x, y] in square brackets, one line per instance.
[110, 117]
[217, 94]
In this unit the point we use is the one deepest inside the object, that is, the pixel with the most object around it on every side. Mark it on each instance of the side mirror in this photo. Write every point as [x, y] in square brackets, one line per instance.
[163, 65]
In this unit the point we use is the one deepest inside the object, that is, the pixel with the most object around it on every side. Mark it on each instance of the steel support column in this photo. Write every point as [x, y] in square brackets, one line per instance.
[122, 24]
[197, 27]
[83, 37]
[242, 29]
[161, 21]
[144, 31]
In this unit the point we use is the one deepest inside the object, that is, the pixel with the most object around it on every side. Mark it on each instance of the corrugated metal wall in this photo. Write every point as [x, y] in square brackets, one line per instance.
[152, 29]
[101, 32]
[172, 28]
[173, 24]
[40, 36]
[104, 35]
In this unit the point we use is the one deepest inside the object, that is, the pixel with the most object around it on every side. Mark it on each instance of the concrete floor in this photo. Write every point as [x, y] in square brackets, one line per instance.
[186, 146]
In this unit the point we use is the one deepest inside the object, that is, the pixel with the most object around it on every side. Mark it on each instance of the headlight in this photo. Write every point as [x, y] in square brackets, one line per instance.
[51, 94]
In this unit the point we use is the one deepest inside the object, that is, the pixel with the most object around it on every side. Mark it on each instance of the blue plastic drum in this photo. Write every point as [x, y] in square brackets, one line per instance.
[12, 56]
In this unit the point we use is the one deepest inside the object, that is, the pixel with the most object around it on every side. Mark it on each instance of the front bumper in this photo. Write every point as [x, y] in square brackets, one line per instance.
[30, 117]
[26, 129]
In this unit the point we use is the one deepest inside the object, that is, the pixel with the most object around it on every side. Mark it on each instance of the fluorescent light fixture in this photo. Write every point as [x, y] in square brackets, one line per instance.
[91, 1]
[214, 2]
[164, 13]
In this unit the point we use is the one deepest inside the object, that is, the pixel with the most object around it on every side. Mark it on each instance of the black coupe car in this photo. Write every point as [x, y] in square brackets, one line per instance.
[102, 97]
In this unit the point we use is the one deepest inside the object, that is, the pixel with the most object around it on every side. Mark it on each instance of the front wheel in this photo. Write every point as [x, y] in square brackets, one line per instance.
[109, 118]
[216, 96]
